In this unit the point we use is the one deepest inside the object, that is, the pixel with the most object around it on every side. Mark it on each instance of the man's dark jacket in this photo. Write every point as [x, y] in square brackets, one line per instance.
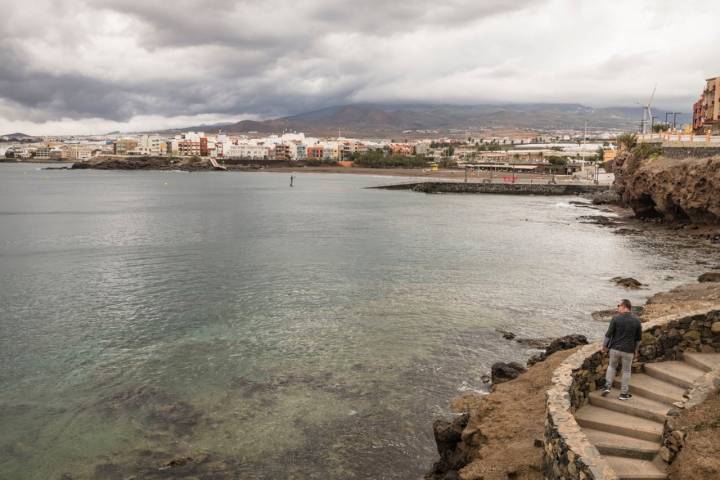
[623, 333]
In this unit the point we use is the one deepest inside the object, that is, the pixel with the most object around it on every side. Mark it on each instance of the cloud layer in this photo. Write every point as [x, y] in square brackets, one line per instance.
[97, 65]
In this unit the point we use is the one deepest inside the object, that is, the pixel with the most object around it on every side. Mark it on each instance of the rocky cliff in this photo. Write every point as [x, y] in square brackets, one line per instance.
[677, 190]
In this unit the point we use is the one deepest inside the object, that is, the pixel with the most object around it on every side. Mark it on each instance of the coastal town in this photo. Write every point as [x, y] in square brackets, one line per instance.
[522, 151]
[317, 239]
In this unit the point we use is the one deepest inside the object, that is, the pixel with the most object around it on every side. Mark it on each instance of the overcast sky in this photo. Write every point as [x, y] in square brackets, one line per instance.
[69, 66]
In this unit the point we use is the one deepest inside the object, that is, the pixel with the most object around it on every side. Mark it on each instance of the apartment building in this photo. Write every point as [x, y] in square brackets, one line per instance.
[125, 145]
[151, 145]
[79, 151]
[282, 152]
[188, 148]
[706, 111]
[315, 152]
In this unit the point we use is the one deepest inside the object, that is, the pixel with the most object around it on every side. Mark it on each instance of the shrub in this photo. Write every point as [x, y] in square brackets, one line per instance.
[646, 150]
[627, 141]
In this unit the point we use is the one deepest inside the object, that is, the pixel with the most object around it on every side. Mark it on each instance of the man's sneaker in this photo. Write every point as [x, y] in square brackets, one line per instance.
[605, 391]
[625, 396]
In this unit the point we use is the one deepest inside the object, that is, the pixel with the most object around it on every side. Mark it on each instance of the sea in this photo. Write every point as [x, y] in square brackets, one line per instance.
[160, 324]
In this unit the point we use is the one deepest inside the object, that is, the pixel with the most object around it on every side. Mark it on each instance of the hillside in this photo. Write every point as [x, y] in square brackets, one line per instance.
[379, 120]
[16, 137]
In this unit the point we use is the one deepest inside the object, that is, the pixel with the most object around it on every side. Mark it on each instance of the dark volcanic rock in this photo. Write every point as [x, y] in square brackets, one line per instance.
[674, 189]
[506, 334]
[565, 343]
[598, 220]
[539, 343]
[447, 437]
[502, 372]
[606, 197]
[627, 282]
[709, 277]
[627, 231]
[562, 343]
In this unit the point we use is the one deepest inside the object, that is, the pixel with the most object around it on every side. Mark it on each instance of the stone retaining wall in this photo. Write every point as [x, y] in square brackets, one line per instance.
[568, 453]
[696, 151]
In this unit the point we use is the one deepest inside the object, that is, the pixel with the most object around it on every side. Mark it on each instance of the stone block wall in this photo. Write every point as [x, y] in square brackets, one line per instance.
[568, 453]
[698, 151]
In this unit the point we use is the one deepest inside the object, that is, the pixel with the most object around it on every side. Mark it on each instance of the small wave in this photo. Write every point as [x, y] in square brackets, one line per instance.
[466, 387]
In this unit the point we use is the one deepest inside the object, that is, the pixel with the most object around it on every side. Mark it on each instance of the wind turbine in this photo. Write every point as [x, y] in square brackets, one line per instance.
[647, 112]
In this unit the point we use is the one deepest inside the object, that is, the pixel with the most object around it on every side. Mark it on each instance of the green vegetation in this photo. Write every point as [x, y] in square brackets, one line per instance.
[379, 159]
[559, 161]
[447, 163]
[646, 150]
[489, 147]
[600, 154]
[660, 127]
[627, 141]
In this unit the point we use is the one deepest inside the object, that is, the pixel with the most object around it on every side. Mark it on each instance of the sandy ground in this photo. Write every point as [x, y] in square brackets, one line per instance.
[682, 299]
[499, 441]
[505, 424]
[700, 457]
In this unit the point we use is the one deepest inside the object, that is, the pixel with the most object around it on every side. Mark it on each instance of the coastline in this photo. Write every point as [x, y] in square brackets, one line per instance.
[500, 435]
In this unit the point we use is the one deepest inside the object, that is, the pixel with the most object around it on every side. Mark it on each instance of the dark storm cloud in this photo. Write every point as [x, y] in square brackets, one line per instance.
[120, 59]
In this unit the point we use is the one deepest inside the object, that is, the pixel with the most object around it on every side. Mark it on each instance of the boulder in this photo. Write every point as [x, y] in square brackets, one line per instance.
[506, 334]
[565, 343]
[562, 343]
[627, 282]
[709, 277]
[448, 434]
[502, 372]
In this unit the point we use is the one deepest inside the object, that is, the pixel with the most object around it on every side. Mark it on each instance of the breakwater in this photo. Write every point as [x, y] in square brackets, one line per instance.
[498, 188]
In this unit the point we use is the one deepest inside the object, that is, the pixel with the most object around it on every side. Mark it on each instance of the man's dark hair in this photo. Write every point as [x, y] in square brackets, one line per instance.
[626, 303]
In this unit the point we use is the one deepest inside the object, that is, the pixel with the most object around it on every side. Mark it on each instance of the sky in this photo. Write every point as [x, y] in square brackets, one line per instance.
[94, 66]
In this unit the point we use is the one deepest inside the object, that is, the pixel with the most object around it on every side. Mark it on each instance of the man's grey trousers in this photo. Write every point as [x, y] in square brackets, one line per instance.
[615, 357]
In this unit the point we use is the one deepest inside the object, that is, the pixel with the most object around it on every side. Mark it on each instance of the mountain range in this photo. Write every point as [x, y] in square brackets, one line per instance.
[383, 120]
[17, 136]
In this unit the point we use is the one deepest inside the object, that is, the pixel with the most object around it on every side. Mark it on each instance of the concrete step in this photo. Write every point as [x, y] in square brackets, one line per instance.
[634, 469]
[653, 388]
[637, 405]
[703, 361]
[678, 373]
[620, 445]
[618, 423]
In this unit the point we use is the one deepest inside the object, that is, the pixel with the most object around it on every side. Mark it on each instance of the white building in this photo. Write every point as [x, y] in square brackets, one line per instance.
[151, 145]
[80, 151]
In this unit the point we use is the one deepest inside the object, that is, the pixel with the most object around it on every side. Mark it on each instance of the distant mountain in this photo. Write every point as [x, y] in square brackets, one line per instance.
[17, 136]
[379, 120]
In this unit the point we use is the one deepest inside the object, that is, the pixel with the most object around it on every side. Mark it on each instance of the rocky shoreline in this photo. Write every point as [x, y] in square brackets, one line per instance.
[500, 435]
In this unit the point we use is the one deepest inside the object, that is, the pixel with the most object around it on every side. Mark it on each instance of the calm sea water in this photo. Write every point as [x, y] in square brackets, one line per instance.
[268, 332]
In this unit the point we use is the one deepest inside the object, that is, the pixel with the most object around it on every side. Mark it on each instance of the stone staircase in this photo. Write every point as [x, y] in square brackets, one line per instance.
[628, 433]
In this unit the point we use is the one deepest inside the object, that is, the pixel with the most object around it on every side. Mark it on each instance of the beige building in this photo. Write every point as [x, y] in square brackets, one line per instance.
[124, 145]
[79, 151]
[706, 111]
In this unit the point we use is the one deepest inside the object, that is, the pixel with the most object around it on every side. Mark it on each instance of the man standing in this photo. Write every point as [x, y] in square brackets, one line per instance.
[623, 341]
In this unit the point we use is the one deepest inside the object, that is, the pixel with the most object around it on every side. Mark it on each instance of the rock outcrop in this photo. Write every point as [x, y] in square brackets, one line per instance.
[145, 163]
[676, 190]
[502, 372]
[709, 277]
[627, 282]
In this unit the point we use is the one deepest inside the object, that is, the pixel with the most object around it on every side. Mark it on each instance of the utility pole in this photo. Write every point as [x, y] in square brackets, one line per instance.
[675, 114]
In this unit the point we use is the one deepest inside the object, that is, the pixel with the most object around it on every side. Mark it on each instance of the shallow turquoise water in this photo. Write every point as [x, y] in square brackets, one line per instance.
[310, 332]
